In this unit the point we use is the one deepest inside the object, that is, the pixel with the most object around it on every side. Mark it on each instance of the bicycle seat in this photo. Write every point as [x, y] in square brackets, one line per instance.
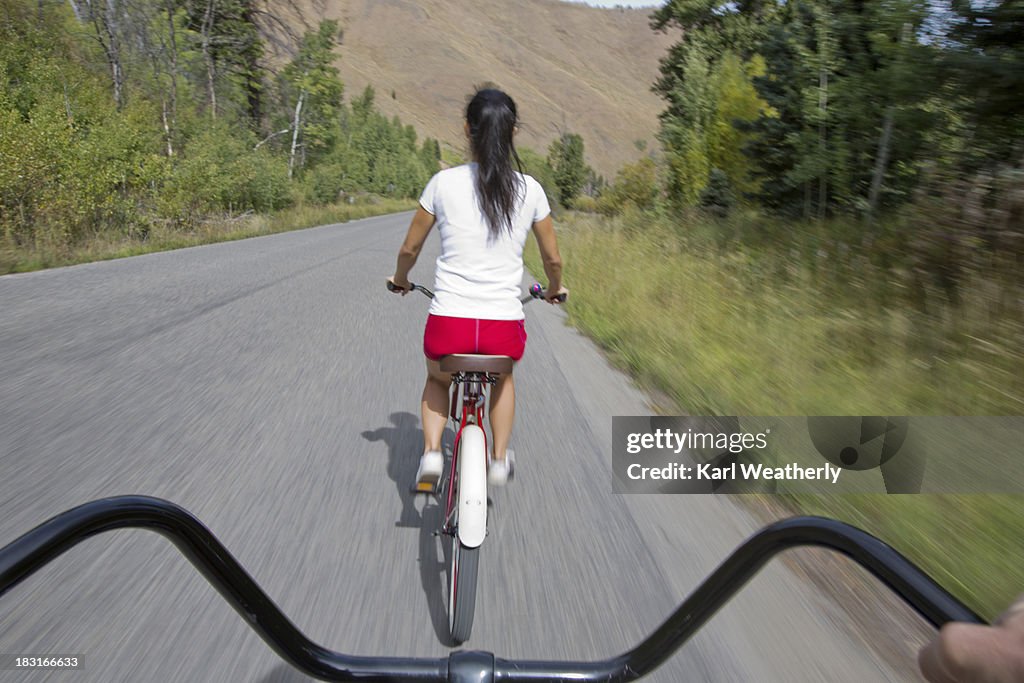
[471, 362]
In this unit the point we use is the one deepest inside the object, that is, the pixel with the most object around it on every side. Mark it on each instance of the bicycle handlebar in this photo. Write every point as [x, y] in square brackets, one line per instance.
[392, 287]
[536, 291]
[30, 552]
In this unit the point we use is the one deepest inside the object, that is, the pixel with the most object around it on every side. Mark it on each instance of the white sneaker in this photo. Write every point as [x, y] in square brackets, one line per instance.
[500, 472]
[431, 465]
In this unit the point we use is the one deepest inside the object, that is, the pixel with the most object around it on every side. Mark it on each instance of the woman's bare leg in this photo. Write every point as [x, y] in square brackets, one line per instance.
[434, 407]
[503, 413]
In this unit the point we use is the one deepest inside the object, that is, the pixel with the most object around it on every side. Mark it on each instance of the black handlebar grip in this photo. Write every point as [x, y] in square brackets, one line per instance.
[392, 287]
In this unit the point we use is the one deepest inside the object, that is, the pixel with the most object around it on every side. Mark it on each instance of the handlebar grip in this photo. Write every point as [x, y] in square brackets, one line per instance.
[392, 287]
[537, 292]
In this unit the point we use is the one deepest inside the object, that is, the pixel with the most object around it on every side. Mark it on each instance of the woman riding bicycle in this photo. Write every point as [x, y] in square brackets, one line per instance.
[484, 211]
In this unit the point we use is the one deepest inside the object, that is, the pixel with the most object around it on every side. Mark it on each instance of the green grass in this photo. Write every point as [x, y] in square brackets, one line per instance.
[741, 327]
[167, 236]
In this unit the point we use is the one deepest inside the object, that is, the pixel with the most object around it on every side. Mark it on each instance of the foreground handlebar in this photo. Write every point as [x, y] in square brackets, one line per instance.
[30, 552]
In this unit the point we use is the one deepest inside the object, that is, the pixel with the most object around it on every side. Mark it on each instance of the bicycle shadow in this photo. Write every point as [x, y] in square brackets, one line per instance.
[405, 444]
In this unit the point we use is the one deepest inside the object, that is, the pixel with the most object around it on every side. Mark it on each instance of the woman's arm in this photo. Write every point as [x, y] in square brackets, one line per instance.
[420, 227]
[544, 229]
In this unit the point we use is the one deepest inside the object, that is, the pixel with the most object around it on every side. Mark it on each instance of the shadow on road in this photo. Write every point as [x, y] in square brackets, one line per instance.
[404, 440]
[405, 445]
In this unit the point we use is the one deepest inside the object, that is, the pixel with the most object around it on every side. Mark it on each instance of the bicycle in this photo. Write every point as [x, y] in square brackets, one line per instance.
[27, 554]
[465, 513]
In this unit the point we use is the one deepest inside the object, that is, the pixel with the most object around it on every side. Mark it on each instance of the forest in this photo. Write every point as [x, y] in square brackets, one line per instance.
[126, 118]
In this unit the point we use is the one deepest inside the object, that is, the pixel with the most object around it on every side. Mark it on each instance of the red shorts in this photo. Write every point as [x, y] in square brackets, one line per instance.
[445, 336]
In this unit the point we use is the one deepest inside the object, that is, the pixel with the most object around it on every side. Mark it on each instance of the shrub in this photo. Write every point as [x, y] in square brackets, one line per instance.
[325, 183]
[220, 172]
[585, 203]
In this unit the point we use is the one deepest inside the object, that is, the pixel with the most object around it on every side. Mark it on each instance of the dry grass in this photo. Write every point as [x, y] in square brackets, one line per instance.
[165, 236]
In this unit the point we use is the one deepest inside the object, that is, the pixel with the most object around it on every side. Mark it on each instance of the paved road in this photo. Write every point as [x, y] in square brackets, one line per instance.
[271, 386]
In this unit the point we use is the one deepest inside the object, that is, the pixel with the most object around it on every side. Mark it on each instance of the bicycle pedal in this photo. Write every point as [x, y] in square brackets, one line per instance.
[424, 487]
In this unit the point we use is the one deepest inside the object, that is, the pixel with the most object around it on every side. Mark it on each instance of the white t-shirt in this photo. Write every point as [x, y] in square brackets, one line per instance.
[479, 276]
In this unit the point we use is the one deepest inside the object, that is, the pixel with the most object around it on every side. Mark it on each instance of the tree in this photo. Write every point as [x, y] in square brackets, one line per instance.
[71, 163]
[848, 84]
[312, 83]
[705, 81]
[230, 42]
[717, 198]
[635, 184]
[376, 154]
[430, 155]
[986, 63]
[105, 17]
[737, 103]
[537, 166]
[713, 27]
[840, 115]
[714, 96]
[565, 155]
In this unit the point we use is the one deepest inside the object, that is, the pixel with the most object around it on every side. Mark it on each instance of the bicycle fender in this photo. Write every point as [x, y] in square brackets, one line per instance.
[472, 487]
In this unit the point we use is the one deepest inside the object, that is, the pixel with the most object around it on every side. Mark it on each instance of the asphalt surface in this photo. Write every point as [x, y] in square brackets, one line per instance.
[271, 386]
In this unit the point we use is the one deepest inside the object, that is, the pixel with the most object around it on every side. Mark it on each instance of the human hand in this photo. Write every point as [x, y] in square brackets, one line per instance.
[972, 653]
[399, 285]
[557, 297]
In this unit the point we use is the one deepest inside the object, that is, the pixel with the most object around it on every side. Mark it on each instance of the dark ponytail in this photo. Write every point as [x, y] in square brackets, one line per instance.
[491, 116]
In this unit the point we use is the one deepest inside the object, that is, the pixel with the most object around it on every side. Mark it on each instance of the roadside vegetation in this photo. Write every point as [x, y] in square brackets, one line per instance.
[132, 127]
[164, 237]
[715, 326]
[834, 226]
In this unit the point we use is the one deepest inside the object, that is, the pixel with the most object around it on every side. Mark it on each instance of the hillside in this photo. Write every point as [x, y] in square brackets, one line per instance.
[569, 67]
